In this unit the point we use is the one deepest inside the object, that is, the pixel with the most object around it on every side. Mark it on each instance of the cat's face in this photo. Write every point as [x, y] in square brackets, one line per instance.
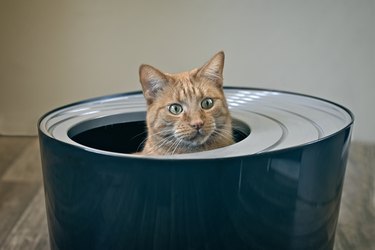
[187, 112]
[191, 113]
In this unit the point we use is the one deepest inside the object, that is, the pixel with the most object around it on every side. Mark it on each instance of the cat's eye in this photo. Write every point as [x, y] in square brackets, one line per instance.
[175, 109]
[207, 103]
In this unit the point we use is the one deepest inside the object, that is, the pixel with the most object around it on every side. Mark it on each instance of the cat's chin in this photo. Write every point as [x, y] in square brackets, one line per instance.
[197, 141]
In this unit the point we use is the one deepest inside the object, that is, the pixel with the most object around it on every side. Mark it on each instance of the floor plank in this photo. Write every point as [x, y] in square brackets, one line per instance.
[30, 232]
[27, 166]
[10, 148]
[356, 225]
[14, 199]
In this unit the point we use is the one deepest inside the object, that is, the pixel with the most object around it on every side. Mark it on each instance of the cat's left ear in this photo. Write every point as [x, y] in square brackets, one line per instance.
[213, 69]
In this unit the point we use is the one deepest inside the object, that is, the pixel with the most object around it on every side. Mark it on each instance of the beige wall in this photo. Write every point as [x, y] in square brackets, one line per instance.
[56, 52]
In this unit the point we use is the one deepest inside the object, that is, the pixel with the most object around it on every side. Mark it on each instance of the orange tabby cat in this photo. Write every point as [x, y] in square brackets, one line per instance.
[187, 112]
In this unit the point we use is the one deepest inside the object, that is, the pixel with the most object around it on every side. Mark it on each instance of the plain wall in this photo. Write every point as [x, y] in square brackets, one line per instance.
[56, 52]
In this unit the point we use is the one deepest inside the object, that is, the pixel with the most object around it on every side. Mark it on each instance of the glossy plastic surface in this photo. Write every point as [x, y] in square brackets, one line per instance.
[282, 199]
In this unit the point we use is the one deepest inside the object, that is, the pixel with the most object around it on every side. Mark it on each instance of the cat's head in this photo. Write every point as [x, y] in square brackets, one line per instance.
[187, 112]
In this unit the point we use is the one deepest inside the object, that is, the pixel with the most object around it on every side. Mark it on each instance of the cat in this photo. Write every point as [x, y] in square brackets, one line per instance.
[186, 112]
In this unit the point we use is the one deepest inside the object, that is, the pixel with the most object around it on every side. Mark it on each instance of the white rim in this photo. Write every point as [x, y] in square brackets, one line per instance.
[277, 120]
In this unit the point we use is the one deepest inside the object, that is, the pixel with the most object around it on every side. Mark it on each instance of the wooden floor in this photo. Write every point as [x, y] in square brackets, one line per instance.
[23, 223]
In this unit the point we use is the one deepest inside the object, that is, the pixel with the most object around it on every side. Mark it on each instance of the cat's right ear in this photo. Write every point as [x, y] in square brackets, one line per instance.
[152, 81]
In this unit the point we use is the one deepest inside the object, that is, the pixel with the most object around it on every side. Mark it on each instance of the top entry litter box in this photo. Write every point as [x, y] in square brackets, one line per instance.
[278, 187]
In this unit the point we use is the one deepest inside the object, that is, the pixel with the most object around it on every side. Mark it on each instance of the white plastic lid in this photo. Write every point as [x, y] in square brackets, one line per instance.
[277, 120]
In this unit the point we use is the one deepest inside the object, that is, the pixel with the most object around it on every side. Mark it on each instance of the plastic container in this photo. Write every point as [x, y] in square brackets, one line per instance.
[278, 187]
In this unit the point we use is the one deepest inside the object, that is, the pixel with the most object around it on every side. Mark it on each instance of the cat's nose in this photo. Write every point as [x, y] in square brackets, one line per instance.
[197, 124]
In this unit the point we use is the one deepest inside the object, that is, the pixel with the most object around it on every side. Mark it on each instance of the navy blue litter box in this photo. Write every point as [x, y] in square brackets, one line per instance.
[278, 187]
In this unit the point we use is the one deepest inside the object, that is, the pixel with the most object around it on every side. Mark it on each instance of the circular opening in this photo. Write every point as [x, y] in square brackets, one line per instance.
[127, 137]
[115, 125]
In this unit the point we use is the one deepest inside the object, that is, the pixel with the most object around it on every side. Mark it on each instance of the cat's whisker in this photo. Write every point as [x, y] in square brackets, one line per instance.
[162, 134]
[174, 144]
[157, 134]
[139, 134]
[165, 141]
[153, 135]
[142, 143]
[178, 144]
[162, 142]
[223, 133]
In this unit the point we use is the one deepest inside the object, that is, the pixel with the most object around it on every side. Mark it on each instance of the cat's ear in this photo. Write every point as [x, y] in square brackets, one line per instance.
[213, 69]
[152, 81]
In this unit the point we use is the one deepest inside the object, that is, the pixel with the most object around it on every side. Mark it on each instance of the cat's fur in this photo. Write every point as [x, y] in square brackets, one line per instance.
[195, 128]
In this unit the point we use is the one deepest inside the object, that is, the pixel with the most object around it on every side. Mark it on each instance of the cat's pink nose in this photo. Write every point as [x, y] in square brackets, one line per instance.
[197, 124]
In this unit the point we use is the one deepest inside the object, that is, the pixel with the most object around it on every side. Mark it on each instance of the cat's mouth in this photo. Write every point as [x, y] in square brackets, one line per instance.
[197, 138]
